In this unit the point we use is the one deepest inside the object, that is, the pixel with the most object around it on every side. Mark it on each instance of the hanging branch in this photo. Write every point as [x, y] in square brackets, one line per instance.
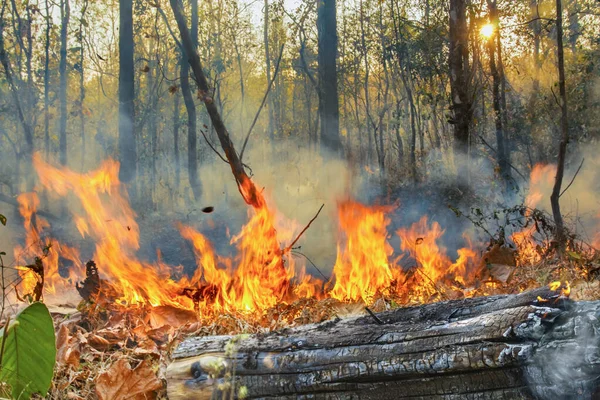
[246, 187]
[263, 102]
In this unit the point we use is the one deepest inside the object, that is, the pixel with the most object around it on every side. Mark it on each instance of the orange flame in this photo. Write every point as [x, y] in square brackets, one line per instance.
[259, 277]
[363, 266]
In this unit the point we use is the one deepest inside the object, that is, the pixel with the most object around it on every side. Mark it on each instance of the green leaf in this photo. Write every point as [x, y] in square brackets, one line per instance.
[27, 363]
[574, 255]
[2, 220]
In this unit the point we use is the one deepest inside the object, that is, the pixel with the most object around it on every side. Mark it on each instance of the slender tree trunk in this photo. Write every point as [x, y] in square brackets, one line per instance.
[65, 13]
[564, 127]
[373, 138]
[459, 80]
[14, 90]
[398, 136]
[266, 17]
[328, 100]
[81, 84]
[190, 106]
[152, 104]
[127, 145]
[574, 25]
[500, 141]
[176, 138]
[47, 82]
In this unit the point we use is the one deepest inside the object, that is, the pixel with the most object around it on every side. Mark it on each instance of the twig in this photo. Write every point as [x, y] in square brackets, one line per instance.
[213, 147]
[288, 248]
[375, 317]
[572, 180]
[313, 264]
[262, 103]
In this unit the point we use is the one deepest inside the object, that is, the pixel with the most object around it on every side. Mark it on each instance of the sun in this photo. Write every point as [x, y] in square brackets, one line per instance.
[487, 31]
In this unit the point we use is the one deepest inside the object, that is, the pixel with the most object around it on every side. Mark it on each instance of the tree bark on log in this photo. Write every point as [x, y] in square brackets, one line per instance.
[501, 347]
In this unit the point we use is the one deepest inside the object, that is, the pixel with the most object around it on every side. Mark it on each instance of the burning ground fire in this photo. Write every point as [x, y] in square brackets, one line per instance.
[260, 276]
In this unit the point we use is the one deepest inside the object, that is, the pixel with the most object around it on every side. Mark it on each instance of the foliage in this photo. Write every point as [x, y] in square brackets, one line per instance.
[28, 352]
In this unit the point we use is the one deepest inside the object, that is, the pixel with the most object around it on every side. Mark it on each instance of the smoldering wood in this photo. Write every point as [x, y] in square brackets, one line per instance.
[501, 347]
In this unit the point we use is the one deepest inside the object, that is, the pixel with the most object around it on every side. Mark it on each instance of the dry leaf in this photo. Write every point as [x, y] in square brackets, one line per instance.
[173, 316]
[121, 382]
[98, 342]
[67, 348]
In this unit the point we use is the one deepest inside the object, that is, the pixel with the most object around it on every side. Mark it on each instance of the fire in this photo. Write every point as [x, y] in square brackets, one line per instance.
[260, 276]
[363, 266]
[540, 185]
[434, 267]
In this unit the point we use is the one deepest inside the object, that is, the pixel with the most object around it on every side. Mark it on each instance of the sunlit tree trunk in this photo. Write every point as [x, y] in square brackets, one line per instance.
[65, 13]
[459, 79]
[564, 127]
[328, 99]
[497, 101]
[127, 145]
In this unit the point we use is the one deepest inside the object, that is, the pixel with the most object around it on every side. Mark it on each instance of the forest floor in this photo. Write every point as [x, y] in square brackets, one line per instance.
[106, 351]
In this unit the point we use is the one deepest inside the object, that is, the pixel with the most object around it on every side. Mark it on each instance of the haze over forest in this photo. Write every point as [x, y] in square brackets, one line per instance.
[320, 99]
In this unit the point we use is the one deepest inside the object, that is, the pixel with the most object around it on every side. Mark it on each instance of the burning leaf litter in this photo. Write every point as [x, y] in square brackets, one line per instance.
[135, 312]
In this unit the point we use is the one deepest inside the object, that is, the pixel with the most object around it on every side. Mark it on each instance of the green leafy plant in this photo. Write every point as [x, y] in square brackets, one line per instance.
[28, 352]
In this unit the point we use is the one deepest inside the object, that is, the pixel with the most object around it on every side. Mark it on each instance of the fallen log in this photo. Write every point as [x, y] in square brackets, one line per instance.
[534, 345]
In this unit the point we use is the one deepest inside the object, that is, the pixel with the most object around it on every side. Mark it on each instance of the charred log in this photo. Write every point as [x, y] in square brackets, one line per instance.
[526, 346]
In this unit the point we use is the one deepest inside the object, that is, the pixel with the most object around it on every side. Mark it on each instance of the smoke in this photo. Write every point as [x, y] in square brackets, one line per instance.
[296, 183]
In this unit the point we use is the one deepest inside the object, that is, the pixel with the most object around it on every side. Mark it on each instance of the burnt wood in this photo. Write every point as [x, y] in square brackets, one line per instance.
[500, 347]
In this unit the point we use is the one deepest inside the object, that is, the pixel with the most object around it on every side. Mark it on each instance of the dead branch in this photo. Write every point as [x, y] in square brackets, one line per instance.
[288, 248]
[572, 180]
[246, 187]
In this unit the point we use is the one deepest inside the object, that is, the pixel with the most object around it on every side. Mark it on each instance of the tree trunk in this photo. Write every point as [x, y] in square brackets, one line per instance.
[501, 347]
[564, 127]
[459, 79]
[176, 138]
[81, 84]
[14, 90]
[497, 101]
[271, 128]
[127, 149]
[328, 99]
[190, 107]
[47, 82]
[65, 13]
[152, 103]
